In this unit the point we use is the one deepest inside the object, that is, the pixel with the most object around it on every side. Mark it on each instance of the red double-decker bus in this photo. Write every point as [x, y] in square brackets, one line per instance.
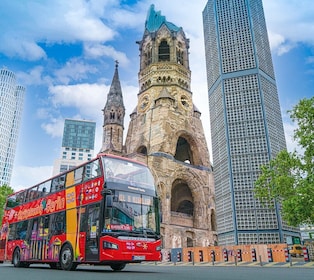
[104, 212]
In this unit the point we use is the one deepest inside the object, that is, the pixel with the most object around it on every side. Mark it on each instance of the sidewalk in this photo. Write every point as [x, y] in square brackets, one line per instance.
[251, 264]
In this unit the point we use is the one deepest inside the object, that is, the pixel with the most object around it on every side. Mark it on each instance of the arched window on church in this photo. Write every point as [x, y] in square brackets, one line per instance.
[164, 51]
[148, 55]
[189, 242]
[112, 115]
[142, 150]
[180, 58]
[181, 199]
[183, 151]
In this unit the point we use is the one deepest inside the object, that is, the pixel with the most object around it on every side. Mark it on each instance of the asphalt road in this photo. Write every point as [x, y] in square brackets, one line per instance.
[156, 272]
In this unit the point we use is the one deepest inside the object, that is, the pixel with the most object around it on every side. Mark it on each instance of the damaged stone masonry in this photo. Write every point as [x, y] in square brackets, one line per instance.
[166, 132]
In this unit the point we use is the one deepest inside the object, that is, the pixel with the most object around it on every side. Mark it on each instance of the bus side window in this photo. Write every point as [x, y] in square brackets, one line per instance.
[11, 202]
[26, 199]
[20, 197]
[58, 223]
[78, 175]
[21, 230]
[33, 193]
[12, 232]
[44, 188]
[92, 170]
[58, 183]
[61, 182]
[44, 227]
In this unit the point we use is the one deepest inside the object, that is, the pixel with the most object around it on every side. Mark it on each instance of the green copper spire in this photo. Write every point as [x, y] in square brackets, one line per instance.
[155, 20]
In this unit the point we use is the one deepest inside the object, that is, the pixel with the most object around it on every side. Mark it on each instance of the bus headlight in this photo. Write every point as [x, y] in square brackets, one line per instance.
[109, 245]
[158, 248]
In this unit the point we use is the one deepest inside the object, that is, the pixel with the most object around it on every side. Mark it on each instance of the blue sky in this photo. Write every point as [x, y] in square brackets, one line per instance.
[63, 52]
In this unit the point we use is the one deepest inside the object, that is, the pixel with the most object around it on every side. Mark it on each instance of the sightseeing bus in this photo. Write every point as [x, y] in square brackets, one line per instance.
[103, 212]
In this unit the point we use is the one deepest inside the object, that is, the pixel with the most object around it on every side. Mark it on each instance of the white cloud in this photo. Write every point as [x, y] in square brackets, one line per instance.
[88, 99]
[54, 127]
[289, 23]
[33, 22]
[74, 69]
[34, 76]
[25, 49]
[26, 176]
[99, 51]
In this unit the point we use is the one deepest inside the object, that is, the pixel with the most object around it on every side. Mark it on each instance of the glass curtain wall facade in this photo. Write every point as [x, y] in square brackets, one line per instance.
[246, 122]
[77, 144]
[11, 106]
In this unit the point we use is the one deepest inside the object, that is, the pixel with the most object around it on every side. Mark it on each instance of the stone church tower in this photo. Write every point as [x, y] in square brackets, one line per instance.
[165, 131]
[114, 112]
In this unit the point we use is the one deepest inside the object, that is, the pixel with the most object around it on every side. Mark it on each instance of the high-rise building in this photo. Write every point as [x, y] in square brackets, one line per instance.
[246, 123]
[11, 105]
[77, 144]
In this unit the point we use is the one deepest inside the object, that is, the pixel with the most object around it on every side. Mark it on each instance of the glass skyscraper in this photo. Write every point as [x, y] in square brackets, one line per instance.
[77, 144]
[11, 106]
[246, 123]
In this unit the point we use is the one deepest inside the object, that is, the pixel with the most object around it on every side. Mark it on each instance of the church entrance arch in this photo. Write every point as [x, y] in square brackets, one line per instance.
[181, 198]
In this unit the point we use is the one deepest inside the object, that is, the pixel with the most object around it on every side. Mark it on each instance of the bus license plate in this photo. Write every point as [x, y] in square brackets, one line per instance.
[138, 258]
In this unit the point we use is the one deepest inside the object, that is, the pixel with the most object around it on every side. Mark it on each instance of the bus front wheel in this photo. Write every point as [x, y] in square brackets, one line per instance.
[117, 266]
[67, 257]
[16, 260]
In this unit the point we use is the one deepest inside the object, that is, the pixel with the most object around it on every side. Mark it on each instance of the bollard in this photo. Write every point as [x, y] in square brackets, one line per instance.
[253, 253]
[212, 253]
[169, 256]
[225, 255]
[239, 255]
[306, 254]
[287, 255]
[200, 253]
[178, 256]
[189, 256]
[269, 255]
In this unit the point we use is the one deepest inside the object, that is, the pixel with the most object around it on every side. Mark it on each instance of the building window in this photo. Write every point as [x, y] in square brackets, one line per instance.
[164, 51]
[180, 56]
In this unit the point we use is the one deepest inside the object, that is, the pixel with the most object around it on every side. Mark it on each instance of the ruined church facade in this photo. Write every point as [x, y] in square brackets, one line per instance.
[166, 132]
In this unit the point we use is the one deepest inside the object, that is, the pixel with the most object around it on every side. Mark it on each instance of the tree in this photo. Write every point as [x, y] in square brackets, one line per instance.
[289, 177]
[4, 192]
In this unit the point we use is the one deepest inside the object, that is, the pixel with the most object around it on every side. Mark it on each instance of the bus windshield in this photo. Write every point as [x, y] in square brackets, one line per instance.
[131, 213]
[127, 172]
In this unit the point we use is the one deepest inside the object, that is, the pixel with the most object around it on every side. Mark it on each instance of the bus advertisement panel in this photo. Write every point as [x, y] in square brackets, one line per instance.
[105, 211]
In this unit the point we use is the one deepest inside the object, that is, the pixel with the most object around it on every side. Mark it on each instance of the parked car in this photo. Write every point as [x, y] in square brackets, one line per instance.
[295, 250]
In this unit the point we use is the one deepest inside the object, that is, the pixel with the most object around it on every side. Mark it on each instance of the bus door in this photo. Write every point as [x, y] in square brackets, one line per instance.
[39, 238]
[92, 234]
[34, 246]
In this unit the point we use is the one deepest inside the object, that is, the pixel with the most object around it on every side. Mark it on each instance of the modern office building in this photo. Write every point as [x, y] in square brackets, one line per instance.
[246, 123]
[77, 144]
[11, 105]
